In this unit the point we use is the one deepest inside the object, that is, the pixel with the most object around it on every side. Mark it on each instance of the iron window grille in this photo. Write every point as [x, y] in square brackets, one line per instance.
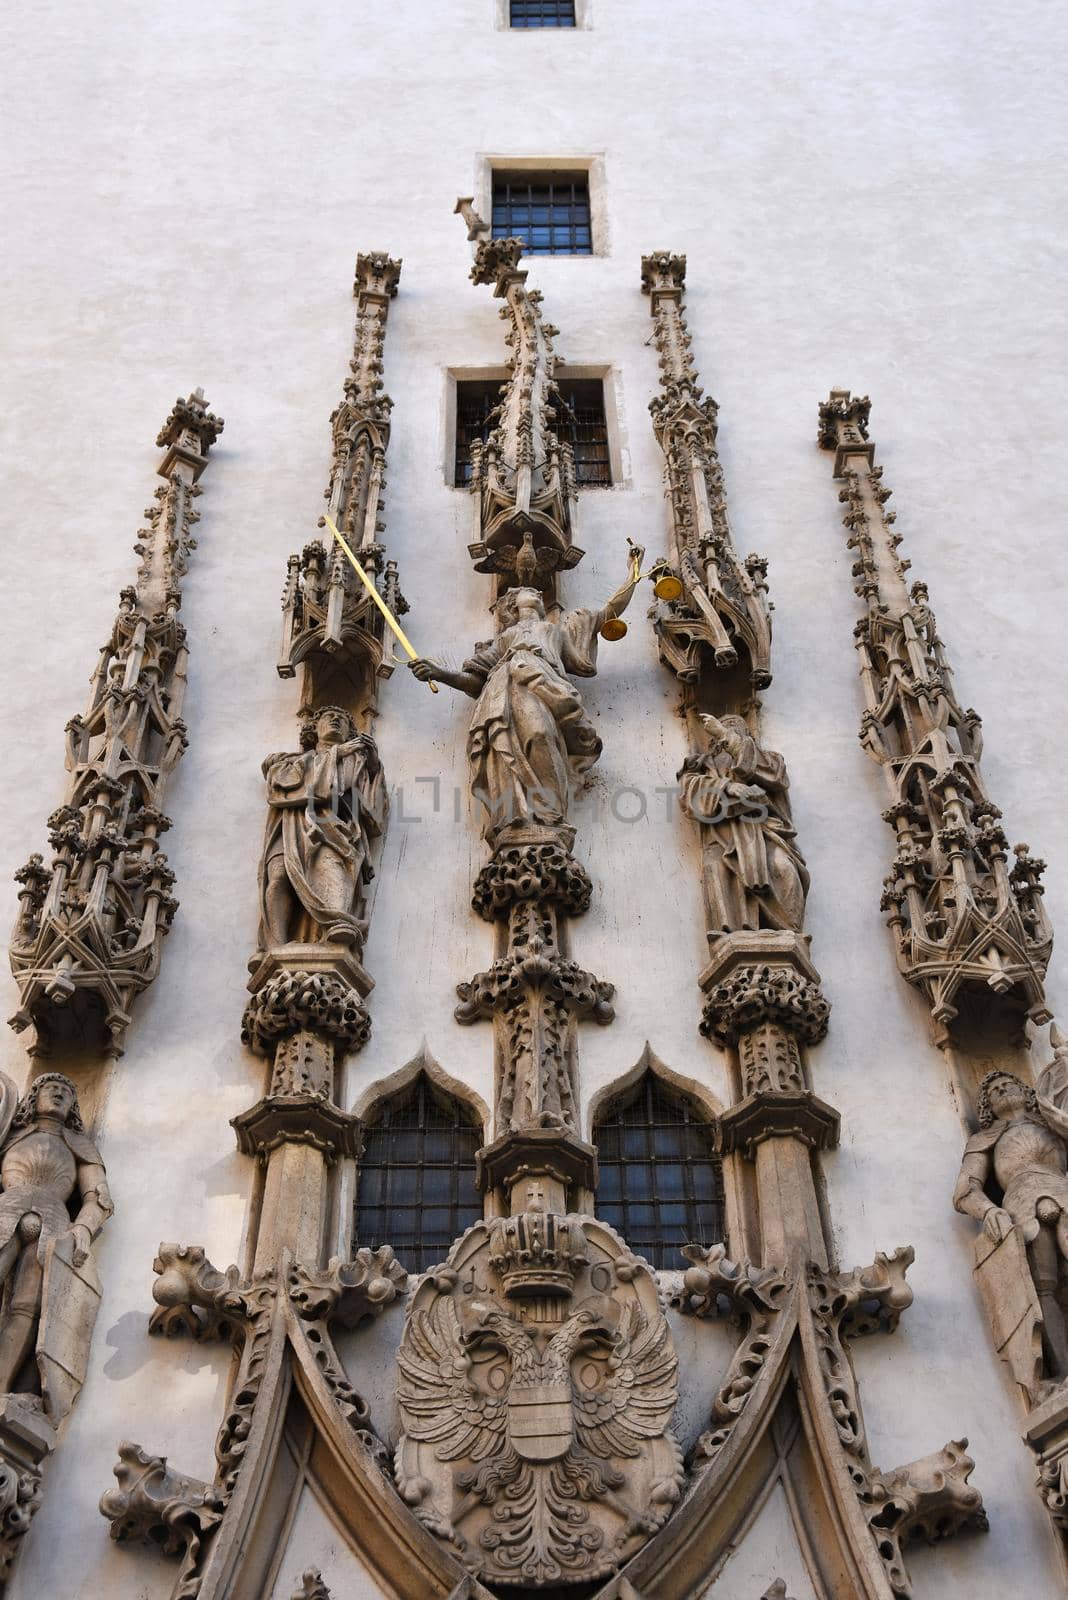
[416, 1185]
[582, 420]
[550, 212]
[542, 14]
[660, 1184]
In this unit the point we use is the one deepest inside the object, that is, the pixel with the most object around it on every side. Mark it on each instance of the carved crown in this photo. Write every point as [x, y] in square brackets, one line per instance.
[537, 1253]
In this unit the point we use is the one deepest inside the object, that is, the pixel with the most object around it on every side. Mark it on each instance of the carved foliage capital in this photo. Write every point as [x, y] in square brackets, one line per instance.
[866, 1299]
[929, 1499]
[545, 873]
[765, 992]
[319, 1002]
[193, 1298]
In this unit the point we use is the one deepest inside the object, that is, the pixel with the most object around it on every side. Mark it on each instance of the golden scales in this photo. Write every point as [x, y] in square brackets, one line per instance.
[665, 586]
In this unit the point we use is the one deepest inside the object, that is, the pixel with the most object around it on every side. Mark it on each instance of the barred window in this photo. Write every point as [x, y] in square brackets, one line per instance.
[542, 13]
[416, 1185]
[582, 420]
[549, 211]
[660, 1184]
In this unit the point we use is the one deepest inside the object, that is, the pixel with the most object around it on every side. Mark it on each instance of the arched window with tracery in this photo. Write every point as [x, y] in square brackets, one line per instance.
[660, 1184]
[415, 1188]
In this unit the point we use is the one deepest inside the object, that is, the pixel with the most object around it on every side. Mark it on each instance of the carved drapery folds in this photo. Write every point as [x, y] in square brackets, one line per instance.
[965, 909]
[971, 934]
[763, 1000]
[537, 1374]
[54, 1200]
[325, 806]
[326, 800]
[764, 1005]
[90, 926]
[530, 741]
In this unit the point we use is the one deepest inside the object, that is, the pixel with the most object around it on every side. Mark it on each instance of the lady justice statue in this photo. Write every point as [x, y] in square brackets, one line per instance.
[529, 730]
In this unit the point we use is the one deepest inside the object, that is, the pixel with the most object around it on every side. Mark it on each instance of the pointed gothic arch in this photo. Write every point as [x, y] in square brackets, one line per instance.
[416, 1176]
[660, 1180]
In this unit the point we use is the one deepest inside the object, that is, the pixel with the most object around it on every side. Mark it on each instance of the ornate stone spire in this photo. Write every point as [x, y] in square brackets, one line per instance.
[966, 911]
[91, 925]
[541, 1482]
[326, 801]
[764, 1006]
[325, 807]
[721, 615]
[971, 933]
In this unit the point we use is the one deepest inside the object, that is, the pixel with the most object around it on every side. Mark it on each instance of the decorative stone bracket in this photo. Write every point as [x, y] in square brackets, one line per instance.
[194, 1298]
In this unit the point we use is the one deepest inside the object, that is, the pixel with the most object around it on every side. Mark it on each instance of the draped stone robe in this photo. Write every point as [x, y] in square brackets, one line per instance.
[324, 806]
[530, 734]
[755, 876]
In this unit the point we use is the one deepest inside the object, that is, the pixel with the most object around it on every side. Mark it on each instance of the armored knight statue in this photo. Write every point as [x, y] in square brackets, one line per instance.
[754, 874]
[324, 807]
[530, 735]
[54, 1202]
[1015, 1175]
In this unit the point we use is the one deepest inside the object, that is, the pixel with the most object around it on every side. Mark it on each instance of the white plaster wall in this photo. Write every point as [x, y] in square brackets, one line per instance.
[868, 194]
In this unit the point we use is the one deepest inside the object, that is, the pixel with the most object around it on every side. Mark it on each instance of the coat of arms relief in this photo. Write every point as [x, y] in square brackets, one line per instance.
[537, 1380]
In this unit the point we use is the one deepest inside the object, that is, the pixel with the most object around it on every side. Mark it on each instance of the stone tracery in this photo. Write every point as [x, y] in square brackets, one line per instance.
[971, 934]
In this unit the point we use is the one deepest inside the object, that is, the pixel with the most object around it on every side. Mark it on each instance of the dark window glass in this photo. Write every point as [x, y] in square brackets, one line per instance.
[581, 419]
[549, 211]
[660, 1184]
[416, 1187]
[542, 13]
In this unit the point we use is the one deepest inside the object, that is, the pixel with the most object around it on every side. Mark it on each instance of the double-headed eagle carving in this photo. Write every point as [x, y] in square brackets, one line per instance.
[540, 1421]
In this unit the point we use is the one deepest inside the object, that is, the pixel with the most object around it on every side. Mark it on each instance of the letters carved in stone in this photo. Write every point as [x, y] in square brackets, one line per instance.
[537, 1383]
[91, 925]
[537, 1374]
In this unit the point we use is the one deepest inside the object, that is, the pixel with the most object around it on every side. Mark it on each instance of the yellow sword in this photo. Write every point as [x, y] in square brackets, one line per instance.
[405, 642]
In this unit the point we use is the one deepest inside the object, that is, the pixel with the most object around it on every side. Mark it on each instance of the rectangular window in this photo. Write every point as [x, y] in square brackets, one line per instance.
[542, 14]
[549, 211]
[581, 420]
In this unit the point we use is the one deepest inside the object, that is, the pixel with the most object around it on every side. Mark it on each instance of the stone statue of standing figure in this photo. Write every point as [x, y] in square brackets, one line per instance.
[324, 806]
[754, 875]
[54, 1202]
[530, 735]
[1015, 1175]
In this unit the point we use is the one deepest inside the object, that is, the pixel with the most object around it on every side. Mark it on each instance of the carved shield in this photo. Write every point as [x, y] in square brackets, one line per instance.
[539, 1420]
[1005, 1282]
[70, 1299]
